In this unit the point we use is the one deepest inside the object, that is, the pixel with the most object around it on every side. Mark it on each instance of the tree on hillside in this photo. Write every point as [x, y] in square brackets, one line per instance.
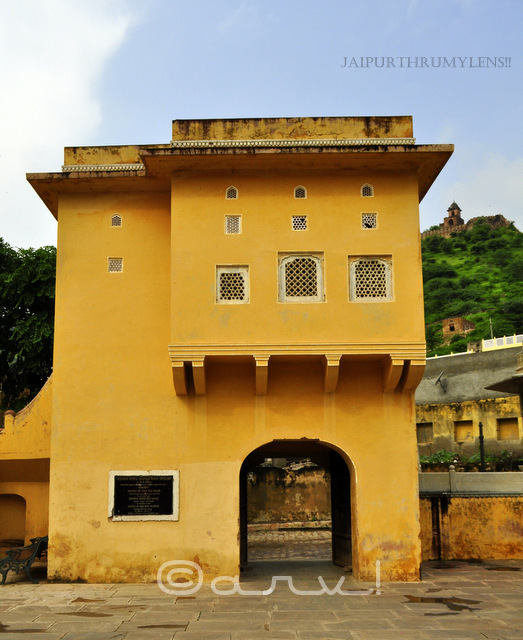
[27, 286]
[476, 274]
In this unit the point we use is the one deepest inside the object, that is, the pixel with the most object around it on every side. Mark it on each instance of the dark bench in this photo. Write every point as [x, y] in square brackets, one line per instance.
[21, 558]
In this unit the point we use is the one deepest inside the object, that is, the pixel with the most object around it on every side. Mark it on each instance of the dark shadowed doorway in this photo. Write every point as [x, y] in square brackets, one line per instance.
[269, 502]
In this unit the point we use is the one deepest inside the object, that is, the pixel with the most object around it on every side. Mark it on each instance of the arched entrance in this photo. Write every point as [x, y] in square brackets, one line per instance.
[12, 520]
[326, 457]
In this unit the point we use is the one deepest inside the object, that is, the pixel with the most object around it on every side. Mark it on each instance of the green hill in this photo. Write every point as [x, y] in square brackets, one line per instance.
[476, 274]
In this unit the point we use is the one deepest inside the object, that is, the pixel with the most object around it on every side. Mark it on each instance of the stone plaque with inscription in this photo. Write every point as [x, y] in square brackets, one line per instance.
[143, 495]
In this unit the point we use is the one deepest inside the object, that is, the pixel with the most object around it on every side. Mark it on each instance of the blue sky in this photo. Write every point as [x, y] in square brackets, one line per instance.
[119, 71]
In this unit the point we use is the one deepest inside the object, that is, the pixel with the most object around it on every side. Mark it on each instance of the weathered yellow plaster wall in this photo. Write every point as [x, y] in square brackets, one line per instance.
[487, 411]
[266, 204]
[27, 434]
[24, 464]
[472, 528]
[293, 128]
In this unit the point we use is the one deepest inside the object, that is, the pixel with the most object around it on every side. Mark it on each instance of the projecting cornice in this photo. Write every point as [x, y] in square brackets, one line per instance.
[403, 363]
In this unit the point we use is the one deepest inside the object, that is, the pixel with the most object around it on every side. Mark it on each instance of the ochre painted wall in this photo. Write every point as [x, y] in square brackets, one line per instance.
[266, 203]
[490, 412]
[27, 434]
[285, 495]
[24, 462]
[465, 528]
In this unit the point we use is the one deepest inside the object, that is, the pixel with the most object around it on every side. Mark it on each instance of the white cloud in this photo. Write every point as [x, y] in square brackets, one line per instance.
[52, 55]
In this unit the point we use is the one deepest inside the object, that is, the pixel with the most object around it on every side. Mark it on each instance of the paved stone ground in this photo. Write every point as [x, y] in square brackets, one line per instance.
[455, 600]
[290, 544]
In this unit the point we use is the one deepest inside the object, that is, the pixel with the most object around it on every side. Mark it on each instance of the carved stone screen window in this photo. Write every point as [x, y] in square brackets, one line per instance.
[116, 220]
[367, 191]
[370, 279]
[300, 192]
[232, 284]
[233, 224]
[369, 220]
[231, 193]
[114, 265]
[299, 223]
[301, 278]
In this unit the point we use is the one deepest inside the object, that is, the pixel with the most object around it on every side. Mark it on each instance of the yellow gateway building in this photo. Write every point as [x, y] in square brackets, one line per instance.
[251, 289]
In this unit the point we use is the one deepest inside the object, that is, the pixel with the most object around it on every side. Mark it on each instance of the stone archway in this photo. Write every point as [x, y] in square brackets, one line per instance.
[12, 519]
[338, 472]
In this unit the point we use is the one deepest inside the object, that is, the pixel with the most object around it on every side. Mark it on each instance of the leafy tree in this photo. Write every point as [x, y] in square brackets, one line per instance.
[437, 270]
[27, 285]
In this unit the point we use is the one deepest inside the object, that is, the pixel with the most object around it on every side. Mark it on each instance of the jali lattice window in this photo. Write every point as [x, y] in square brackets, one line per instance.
[370, 279]
[231, 193]
[116, 220]
[232, 284]
[233, 224]
[114, 265]
[299, 223]
[300, 192]
[369, 220]
[301, 278]
[367, 191]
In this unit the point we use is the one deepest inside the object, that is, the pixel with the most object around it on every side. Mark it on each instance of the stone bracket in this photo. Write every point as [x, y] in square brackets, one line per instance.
[262, 374]
[332, 370]
[412, 375]
[180, 385]
[198, 373]
[392, 374]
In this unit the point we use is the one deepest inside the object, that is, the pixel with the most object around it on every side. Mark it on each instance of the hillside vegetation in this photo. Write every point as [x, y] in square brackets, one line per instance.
[476, 274]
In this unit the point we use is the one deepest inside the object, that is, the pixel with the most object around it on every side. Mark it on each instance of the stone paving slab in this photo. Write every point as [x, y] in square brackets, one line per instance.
[455, 601]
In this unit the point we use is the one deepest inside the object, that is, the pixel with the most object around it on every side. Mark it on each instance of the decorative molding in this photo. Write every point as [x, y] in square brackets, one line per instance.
[76, 168]
[396, 350]
[315, 142]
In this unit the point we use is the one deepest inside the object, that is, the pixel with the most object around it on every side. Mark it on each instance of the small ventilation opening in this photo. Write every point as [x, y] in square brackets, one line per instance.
[115, 265]
[299, 223]
[300, 192]
[231, 193]
[369, 221]
[233, 224]
[232, 284]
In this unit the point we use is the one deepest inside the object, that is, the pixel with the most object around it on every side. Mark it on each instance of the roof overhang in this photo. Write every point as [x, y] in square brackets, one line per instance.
[159, 162]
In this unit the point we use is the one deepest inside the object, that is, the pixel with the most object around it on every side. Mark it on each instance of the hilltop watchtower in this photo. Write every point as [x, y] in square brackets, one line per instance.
[453, 218]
